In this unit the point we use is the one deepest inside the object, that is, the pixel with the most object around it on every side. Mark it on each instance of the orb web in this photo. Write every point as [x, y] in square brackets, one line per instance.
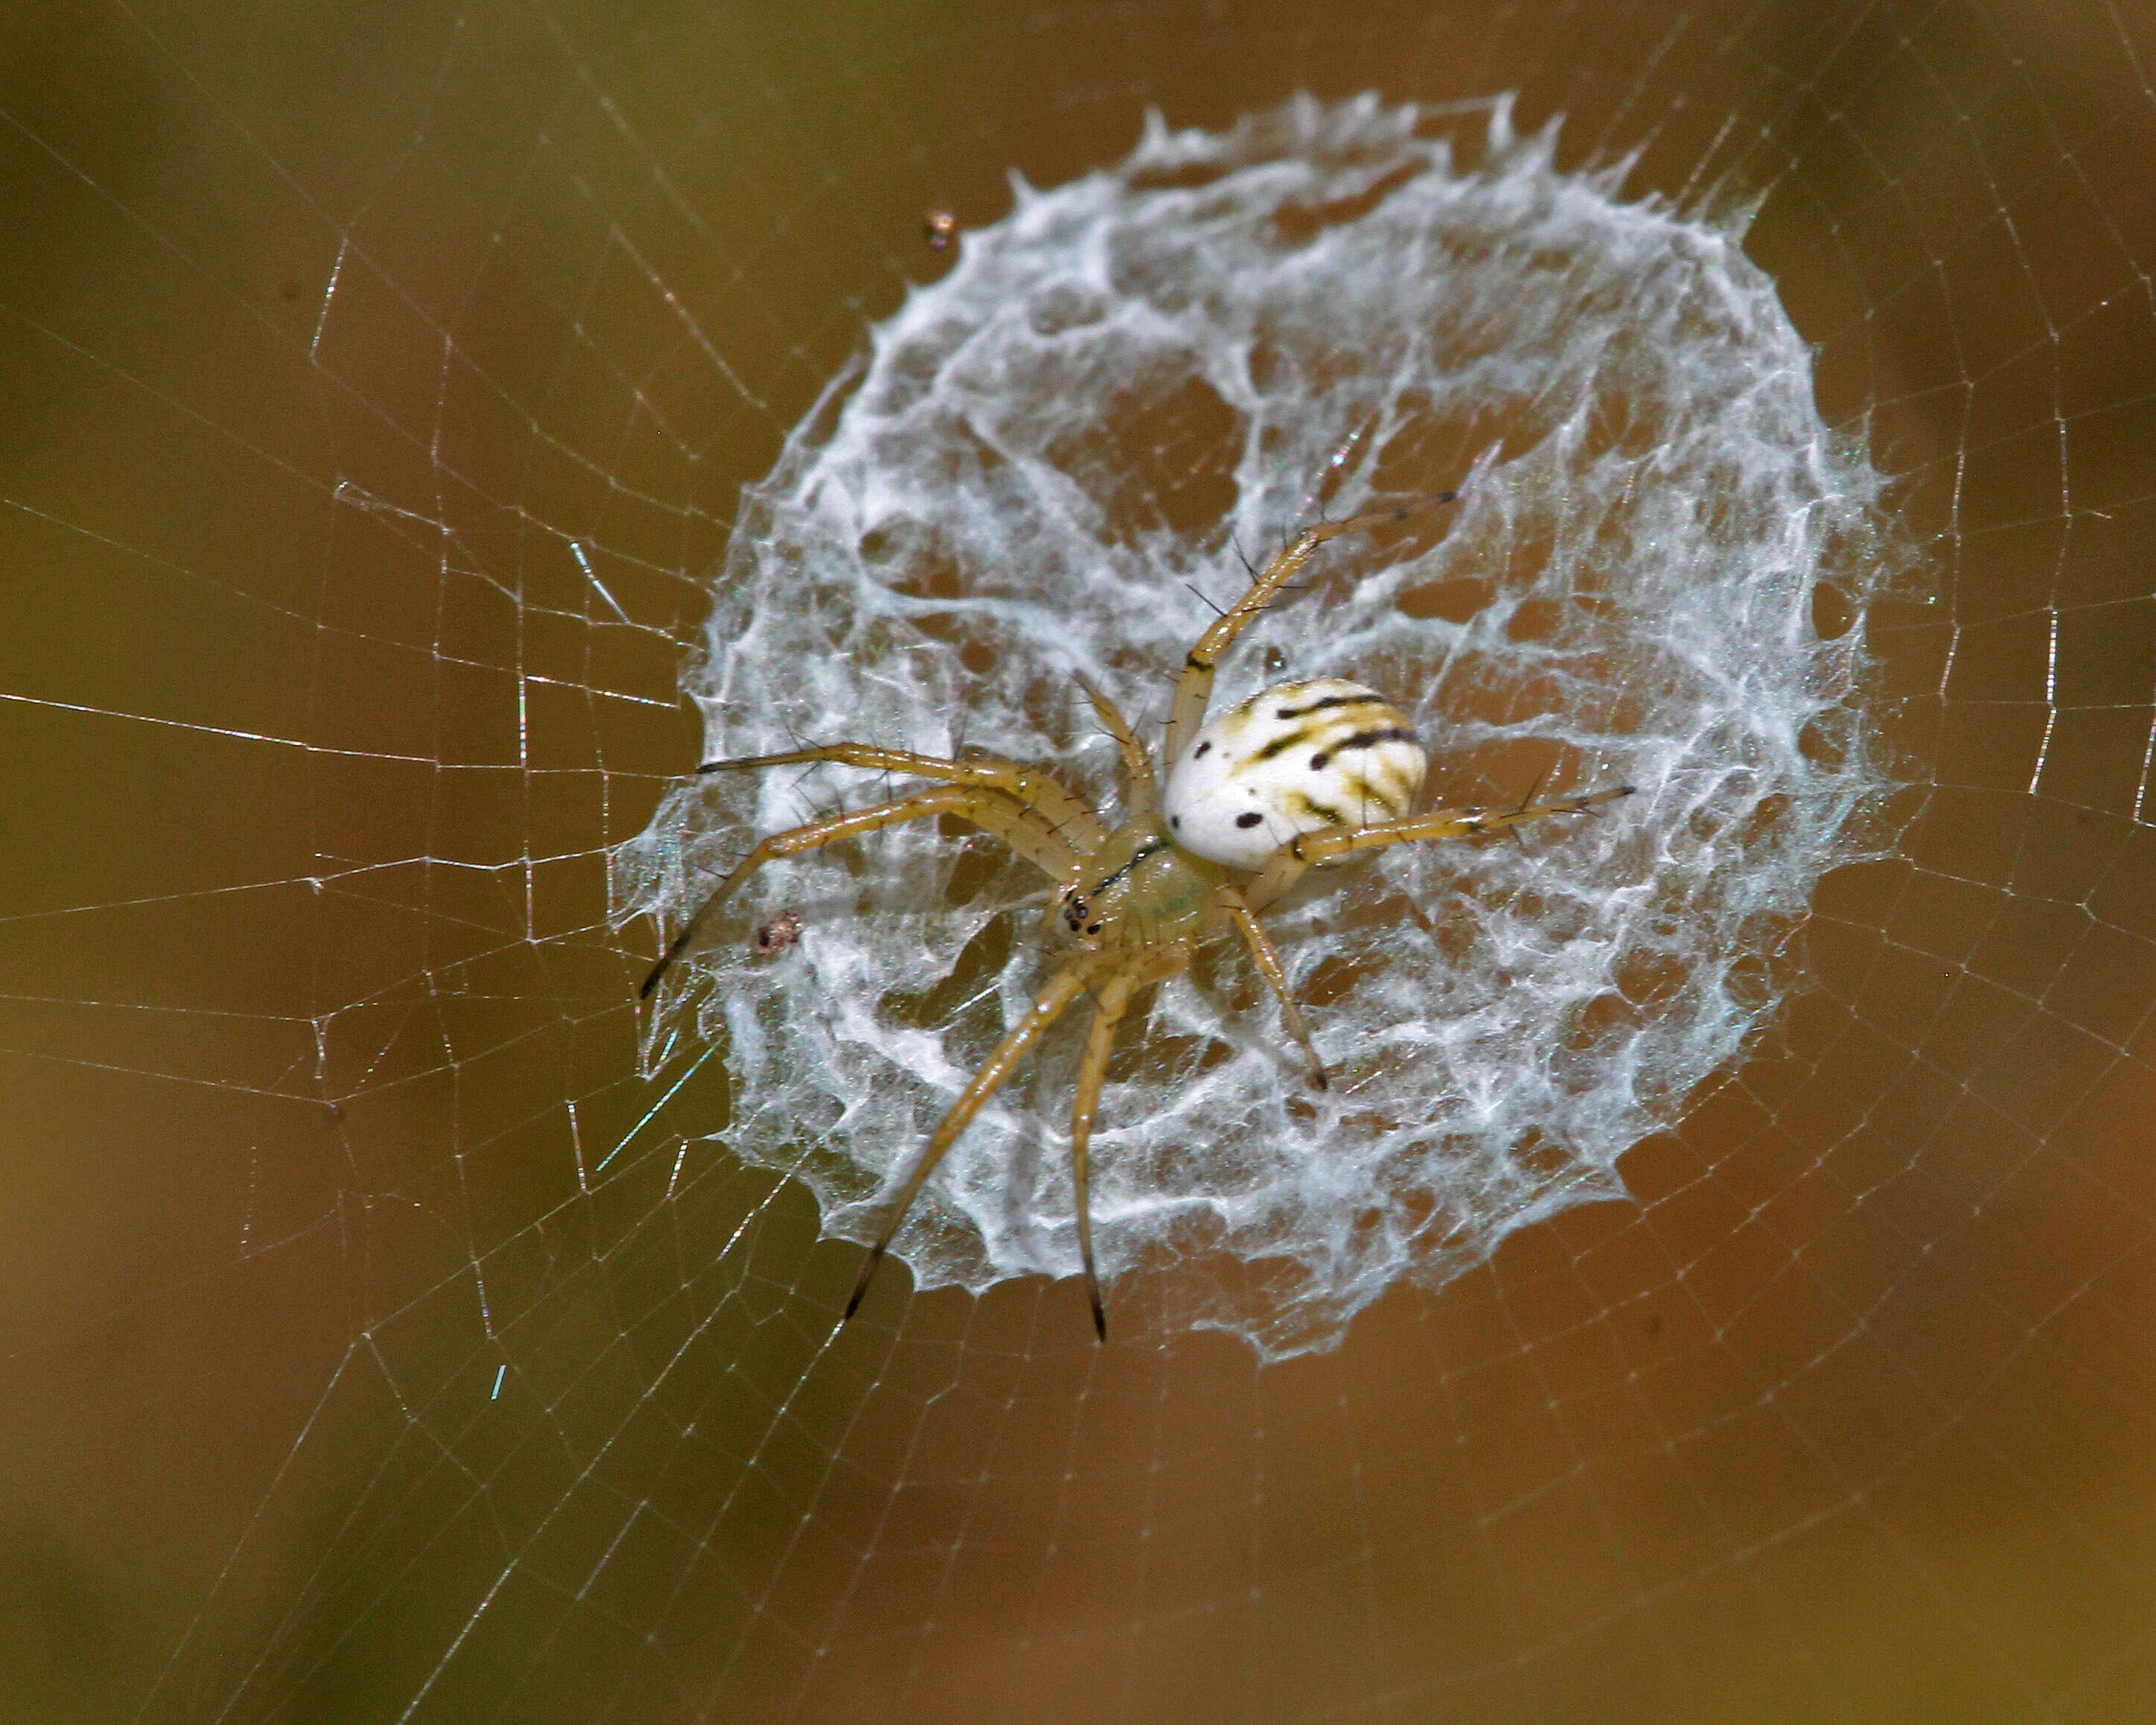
[383, 1346]
[1018, 482]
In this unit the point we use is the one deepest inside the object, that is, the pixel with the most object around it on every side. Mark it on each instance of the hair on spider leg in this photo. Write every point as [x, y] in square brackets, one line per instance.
[1533, 790]
[1203, 600]
[1247, 610]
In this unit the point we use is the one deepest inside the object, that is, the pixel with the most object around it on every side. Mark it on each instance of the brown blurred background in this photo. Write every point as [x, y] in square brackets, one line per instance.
[374, 1345]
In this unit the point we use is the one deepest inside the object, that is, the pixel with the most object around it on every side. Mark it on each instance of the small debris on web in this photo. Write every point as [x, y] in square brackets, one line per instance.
[776, 936]
[940, 228]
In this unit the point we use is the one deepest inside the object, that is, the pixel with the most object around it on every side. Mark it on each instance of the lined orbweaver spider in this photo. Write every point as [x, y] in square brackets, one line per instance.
[1288, 781]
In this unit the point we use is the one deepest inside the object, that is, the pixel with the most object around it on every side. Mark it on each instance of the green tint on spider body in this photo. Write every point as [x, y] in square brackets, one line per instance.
[1140, 887]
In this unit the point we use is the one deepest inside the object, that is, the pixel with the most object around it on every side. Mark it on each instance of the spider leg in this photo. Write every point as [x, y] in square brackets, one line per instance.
[1065, 986]
[1023, 829]
[1115, 995]
[1127, 972]
[1269, 966]
[1143, 794]
[1314, 850]
[1029, 785]
[1193, 688]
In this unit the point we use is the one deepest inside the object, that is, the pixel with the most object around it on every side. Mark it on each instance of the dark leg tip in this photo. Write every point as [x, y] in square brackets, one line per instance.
[861, 1286]
[1100, 1321]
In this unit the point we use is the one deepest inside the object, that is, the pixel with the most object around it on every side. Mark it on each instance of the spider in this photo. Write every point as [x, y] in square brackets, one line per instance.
[1302, 775]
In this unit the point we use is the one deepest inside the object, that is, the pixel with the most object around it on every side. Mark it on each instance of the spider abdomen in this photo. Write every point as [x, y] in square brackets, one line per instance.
[1298, 758]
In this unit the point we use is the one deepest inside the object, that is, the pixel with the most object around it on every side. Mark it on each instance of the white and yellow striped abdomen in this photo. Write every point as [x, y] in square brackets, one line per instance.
[1298, 758]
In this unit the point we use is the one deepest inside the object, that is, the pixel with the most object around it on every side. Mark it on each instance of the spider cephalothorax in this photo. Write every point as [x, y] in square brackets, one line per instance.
[1300, 776]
